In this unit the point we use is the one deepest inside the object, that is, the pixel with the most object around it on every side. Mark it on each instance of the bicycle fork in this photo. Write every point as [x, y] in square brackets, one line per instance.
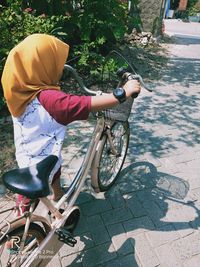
[110, 138]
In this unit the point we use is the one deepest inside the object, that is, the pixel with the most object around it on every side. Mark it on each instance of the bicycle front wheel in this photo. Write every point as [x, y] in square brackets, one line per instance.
[10, 247]
[110, 156]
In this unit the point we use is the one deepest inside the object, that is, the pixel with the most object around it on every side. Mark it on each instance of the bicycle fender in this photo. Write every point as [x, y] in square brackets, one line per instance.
[16, 223]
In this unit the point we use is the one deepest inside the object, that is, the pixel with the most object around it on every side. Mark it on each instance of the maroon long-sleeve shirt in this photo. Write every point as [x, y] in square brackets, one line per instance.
[65, 108]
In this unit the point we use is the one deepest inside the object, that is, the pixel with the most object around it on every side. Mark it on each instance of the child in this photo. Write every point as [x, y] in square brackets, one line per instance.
[39, 109]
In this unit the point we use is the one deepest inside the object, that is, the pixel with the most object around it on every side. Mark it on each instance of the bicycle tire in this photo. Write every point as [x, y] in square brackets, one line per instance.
[35, 231]
[107, 166]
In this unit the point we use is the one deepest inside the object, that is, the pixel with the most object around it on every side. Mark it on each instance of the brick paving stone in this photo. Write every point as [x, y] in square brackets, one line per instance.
[56, 261]
[154, 212]
[93, 207]
[82, 226]
[99, 235]
[161, 202]
[126, 261]
[184, 228]
[144, 252]
[164, 169]
[94, 221]
[193, 262]
[115, 197]
[122, 245]
[169, 165]
[134, 205]
[180, 215]
[130, 184]
[74, 260]
[116, 215]
[137, 226]
[191, 175]
[195, 224]
[167, 257]
[195, 194]
[162, 235]
[187, 247]
[136, 177]
[99, 255]
[84, 197]
[187, 155]
[146, 196]
[152, 159]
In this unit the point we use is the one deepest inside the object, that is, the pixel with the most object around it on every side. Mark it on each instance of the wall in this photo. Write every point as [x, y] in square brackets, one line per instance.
[182, 5]
[151, 12]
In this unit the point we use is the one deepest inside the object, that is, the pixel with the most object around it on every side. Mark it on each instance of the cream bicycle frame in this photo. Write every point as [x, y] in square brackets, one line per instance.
[73, 192]
[69, 198]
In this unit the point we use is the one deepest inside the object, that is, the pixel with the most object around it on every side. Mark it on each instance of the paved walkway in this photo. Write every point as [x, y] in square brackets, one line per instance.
[151, 216]
[175, 27]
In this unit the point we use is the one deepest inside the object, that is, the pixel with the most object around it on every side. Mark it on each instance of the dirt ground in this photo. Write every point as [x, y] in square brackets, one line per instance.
[7, 157]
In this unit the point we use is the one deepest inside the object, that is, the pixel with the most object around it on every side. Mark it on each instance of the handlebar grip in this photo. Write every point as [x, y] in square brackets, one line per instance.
[134, 95]
[130, 76]
[125, 74]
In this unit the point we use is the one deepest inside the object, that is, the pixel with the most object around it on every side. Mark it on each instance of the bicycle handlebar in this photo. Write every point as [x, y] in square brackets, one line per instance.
[122, 73]
[125, 73]
[80, 81]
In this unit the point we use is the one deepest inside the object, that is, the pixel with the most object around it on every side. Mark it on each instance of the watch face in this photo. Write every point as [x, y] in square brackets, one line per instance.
[119, 92]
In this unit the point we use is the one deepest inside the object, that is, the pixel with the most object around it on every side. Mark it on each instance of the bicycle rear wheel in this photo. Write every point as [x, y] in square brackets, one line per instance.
[9, 248]
[110, 156]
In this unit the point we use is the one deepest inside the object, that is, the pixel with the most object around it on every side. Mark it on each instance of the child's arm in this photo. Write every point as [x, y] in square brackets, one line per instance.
[108, 100]
[65, 108]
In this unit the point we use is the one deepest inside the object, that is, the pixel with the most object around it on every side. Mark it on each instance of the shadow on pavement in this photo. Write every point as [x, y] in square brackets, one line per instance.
[185, 71]
[111, 224]
[164, 122]
[143, 199]
[181, 39]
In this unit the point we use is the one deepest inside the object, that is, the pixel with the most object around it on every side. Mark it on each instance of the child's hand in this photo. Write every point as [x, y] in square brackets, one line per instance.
[132, 87]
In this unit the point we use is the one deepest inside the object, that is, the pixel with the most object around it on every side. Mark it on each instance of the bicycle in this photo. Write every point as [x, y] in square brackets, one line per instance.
[24, 239]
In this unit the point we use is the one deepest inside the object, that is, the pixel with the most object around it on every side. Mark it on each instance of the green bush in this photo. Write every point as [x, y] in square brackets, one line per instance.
[193, 7]
[91, 27]
[16, 23]
[100, 26]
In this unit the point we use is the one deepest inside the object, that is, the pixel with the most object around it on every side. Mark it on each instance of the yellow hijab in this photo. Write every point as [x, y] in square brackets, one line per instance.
[33, 65]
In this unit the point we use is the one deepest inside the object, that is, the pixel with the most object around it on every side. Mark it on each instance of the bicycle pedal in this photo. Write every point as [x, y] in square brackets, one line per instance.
[66, 237]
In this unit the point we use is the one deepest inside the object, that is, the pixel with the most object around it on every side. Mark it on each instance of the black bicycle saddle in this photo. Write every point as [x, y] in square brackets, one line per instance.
[33, 181]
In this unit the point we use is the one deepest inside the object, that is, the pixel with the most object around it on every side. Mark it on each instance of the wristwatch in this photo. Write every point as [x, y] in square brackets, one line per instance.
[120, 94]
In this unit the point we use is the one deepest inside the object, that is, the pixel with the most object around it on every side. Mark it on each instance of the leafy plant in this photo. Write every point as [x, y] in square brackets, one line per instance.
[193, 7]
[91, 27]
[16, 23]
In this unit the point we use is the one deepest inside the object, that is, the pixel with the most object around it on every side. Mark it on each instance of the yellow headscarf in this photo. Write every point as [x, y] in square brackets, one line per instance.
[33, 65]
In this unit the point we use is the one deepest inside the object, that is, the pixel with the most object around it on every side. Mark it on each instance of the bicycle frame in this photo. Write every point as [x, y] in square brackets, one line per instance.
[70, 197]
